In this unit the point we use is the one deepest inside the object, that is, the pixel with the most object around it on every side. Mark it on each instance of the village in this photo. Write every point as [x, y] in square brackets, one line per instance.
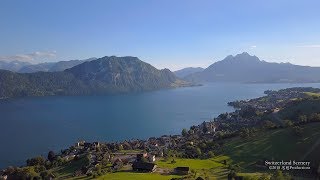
[274, 99]
[129, 155]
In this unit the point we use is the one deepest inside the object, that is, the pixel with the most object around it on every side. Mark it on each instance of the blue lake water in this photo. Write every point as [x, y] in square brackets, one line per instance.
[35, 125]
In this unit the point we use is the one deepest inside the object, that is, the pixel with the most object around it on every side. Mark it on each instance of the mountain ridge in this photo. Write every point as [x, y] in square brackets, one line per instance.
[106, 75]
[245, 68]
[13, 65]
[187, 71]
[52, 66]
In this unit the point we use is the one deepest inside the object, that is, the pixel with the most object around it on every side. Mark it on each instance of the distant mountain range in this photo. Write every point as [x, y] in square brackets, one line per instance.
[14, 66]
[53, 67]
[25, 67]
[187, 71]
[245, 68]
[107, 75]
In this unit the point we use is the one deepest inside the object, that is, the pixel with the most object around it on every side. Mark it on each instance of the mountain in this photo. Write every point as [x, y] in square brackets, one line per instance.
[63, 65]
[44, 67]
[52, 66]
[126, 73]
[187, 71]
[250, 69]
[13, 65]
[107, 75]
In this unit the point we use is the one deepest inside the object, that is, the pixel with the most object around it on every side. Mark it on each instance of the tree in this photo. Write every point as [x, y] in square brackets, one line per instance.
[245, 132]
[105, 160]
[25, 173]
[46, 174]
[204, 129]
[36, 161]
[39, 168]
[288, 123]
[315, 117]
[98, 170]
[51, 156]
[143, 159]
[269, 125]
[184, 132]
[297, 130]
[198, 152]
[278, 175]
[173, 161]
[264, 177]
[232, 174]
[120, 147]
[248, 112]
[210, 154]
[303, 119]
[59, 161]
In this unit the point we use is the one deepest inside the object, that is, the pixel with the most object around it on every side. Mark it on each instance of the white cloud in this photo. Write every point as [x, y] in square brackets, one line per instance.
[310, 46]
[29, 57]
[253, 46]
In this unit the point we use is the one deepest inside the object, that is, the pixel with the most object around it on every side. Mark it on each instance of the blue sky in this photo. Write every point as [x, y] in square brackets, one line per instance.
[164, 33]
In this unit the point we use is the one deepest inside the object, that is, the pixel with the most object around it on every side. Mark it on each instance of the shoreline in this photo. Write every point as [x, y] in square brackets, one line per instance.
[164, 135]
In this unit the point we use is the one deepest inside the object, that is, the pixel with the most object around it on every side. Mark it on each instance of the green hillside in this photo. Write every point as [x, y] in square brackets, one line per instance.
[279, 144]
[305, 107]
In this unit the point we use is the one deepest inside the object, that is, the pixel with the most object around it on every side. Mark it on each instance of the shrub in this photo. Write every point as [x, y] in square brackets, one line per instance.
[297, 130]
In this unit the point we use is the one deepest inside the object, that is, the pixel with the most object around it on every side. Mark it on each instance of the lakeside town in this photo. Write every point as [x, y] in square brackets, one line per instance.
[199, 142]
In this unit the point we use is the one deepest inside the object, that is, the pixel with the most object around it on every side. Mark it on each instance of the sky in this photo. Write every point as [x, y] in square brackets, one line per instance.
[165, 33]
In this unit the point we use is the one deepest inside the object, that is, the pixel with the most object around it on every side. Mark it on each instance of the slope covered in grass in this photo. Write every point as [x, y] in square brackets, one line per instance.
[305, 107]
[279, 144]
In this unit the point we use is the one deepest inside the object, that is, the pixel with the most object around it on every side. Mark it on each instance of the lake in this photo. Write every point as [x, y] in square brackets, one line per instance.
[35, 125]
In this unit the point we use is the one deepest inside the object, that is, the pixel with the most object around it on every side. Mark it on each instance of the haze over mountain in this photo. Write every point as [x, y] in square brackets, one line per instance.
[26, 67]
[250, 69]
[107, 75]
[13, 65]
[52, 66]
[187, 71]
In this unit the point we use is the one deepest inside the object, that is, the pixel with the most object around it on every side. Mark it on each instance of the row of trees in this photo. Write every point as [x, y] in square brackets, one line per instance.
[37, 168]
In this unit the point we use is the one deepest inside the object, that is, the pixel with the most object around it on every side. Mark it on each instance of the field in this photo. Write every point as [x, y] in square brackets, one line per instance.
[313, 94]
[129, 175]
[279, 144]
[195, 164]
[136, 176]
[68, 170]
[212, 168]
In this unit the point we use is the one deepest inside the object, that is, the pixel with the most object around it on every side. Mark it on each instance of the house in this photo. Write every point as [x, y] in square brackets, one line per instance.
[4, 177]
[181, 170]
[117, 164]
[144, 166]
[151, 158]
[208, 127]
[165, 140]
[87, 145]
[160, 154]
[80, 143]
[142, 155]
[96, 144]
[69, 157]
